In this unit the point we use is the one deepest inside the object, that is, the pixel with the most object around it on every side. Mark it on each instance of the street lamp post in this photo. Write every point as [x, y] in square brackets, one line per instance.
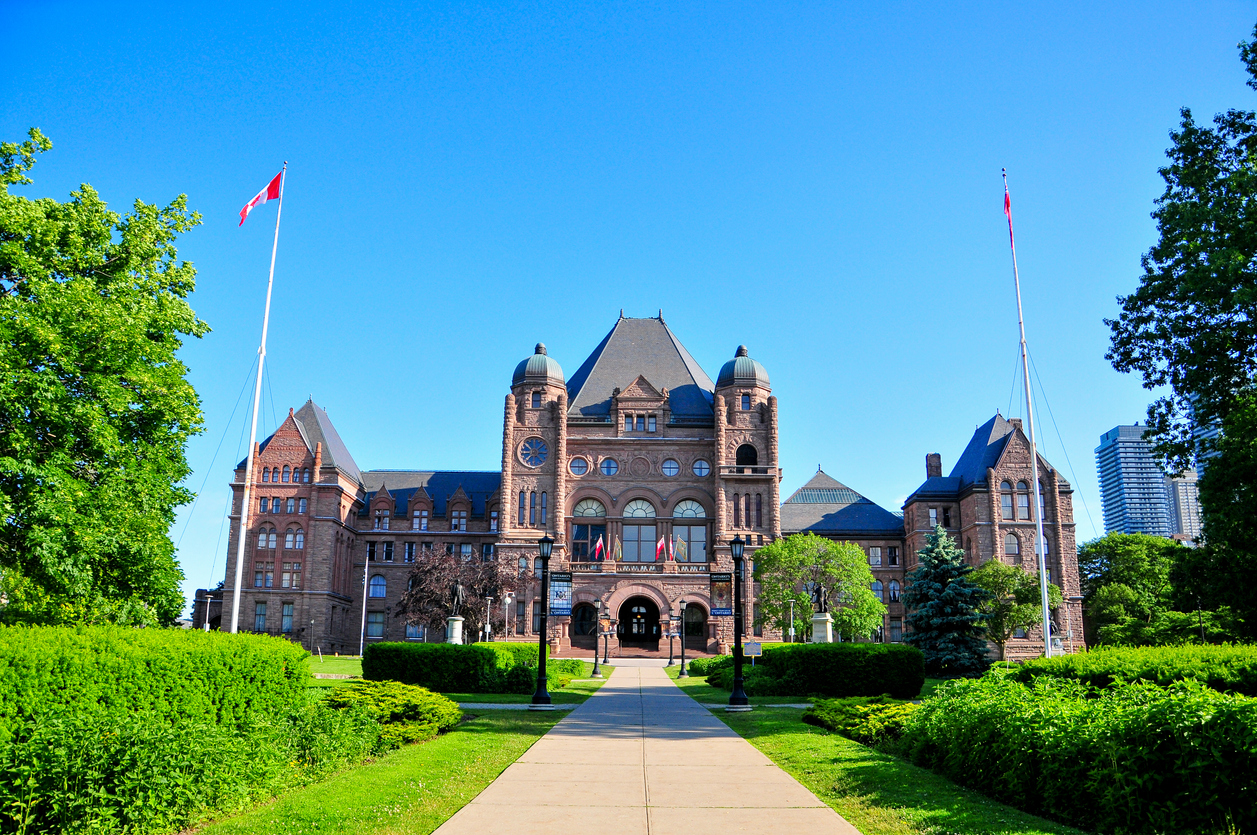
[488, 618]
[541, 698]
[506, 615]
[672, 633]
[684, 672]
[792, 621]
[737, 700]
[606, 640]
[597, 673]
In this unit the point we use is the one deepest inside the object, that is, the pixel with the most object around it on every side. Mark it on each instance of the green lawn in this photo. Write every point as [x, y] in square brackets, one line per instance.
[344, 665]
[412, 790]
[877, 793]
[698, 687]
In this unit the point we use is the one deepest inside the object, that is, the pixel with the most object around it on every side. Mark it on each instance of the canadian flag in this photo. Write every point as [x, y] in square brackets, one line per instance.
[598, 555]
[271, 192]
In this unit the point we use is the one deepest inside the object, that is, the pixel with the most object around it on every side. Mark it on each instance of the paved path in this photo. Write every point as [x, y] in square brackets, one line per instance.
[640, 757]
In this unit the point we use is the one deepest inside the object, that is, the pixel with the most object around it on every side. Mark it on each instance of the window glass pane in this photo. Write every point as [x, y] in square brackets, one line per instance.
[701, 468]
[650, 424]
[639, 508]
[378, 586]
[589, 507]
[671, 467]
[628, 423]
[375, 624]
[609, 466]
[579, 466]
[641, 423]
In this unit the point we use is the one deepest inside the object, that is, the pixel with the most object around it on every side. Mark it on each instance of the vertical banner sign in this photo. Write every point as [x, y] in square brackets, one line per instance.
[561, 593]
[721, 594]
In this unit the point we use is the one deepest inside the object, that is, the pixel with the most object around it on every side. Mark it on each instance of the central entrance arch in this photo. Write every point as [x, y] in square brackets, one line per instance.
[639, 623]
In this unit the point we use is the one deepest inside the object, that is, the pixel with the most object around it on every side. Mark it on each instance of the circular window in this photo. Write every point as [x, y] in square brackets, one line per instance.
[609, 466]
[533, 452]
[671, 467]
[701, 468]
[579, 466]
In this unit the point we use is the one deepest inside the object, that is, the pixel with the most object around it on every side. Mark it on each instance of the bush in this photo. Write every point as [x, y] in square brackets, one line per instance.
[521, 679]
[1133, 758]
[756, 681]
[829, 670]
[408, 713]
[449, 668]
[175, 675]
[702, 666]
[867, 720]
[1223, 668]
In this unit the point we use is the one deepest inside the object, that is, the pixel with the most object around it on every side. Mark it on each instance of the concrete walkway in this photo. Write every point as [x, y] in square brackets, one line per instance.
[640, 757]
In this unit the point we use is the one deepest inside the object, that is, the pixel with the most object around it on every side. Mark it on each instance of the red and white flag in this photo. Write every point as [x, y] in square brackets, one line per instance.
[271, 192]
[662, 548]
[598, 555]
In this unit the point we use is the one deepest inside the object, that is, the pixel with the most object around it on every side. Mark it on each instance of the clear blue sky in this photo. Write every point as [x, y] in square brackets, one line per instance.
[818, 181]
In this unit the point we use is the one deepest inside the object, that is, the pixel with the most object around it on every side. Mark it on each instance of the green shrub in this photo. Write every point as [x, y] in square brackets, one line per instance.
[521, 679]
[408, 713]
[1226, 667]
[866, 719]
[828, 670]
[1134, 758]
[756, 681]
[702, 666]
[176, 675]
[449, 668]
[522, 652]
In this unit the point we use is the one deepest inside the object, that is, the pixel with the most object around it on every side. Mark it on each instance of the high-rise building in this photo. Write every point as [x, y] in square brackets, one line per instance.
[1132, 484]
[1184, 505]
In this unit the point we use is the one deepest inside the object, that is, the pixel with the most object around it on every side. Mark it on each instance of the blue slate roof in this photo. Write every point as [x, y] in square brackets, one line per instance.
[316, 428]
[827, 506]
[983, 451]
[440, 485]
[649, 348]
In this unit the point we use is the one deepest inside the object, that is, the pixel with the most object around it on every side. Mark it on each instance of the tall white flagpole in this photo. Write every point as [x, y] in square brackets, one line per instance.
[253, 426]
[1040, 547]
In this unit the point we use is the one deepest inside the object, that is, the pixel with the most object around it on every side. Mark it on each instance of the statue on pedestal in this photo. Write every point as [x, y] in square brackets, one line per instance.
[820, 598]
[458, 595]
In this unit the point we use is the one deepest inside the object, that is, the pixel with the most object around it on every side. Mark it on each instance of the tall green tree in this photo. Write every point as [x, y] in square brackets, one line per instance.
[1016, 601]
[787, 568]
[95, 408]
[944, 609]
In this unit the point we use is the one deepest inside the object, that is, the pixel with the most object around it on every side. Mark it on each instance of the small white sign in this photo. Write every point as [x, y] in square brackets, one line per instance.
[752, 649]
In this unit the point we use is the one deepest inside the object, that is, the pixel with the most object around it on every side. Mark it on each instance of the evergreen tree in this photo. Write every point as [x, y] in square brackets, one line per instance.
[943, 609]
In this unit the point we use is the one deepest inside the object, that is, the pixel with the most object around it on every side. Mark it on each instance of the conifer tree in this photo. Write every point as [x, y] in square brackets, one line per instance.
[942, 609]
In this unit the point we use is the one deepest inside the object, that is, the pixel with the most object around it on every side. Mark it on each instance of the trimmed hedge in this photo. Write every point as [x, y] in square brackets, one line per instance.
[867, 720]
[465, 668]
[1223, 668]
[408, 713]
[176, 675]
[840, 670]
[527, 655]
[1133, 758]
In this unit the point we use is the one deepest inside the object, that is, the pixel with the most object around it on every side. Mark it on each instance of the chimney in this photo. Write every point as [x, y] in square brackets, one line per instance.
[1015, 422]
[933, 465]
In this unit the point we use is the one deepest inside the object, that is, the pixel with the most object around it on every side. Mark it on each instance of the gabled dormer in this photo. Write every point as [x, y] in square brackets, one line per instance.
[639, 408]
[380, 509]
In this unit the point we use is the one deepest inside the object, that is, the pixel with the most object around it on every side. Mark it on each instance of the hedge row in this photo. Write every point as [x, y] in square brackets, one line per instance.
[1133, 758]
[527, 654]
[866, 719]
[407, 713]
[1224, 668]
[454, 668]
[826, 670]
[176, 675]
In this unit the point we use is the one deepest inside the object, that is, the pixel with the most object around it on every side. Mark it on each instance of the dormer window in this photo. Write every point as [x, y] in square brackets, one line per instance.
[458, 520]
[536, 400]
[266, 473]
[641, 423]
[650, 423]
[286, 473]
[381, 520]
[746, 403]
[420, 521]
[628, 423]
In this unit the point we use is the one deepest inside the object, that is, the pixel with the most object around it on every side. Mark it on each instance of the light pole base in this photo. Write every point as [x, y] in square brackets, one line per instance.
[550, 707]
[597, 675]
[737, 708]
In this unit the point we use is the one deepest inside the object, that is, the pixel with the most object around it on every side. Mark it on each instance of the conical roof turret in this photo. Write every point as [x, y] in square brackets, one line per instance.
[742, 371]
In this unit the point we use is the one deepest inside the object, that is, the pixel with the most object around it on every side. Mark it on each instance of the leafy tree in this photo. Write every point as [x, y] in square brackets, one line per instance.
[427, 598]
[95, 407]
[787, 568]
[1016, 601]
[1138, 562]
[944, 609]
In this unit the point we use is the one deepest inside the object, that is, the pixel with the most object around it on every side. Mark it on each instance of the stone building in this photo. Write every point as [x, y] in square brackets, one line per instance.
[638, 466]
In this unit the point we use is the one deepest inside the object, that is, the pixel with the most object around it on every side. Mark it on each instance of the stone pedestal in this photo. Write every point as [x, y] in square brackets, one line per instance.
[822, 628]
[455, 632]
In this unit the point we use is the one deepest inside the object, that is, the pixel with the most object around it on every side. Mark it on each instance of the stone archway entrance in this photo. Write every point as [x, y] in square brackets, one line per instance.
[639, 624]
[695, 627]
[584, 627]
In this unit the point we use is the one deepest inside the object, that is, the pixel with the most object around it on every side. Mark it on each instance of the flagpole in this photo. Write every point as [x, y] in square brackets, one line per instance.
[1040, 548]
[253, 425]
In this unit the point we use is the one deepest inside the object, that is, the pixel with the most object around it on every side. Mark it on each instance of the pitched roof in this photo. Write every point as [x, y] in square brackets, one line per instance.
[440, 485]
[316, 428]
[983, 451]
[827, 506]
[645, 347]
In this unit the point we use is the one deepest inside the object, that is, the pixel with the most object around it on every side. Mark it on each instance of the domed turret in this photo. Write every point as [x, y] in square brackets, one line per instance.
[539, 368]
[742, 371]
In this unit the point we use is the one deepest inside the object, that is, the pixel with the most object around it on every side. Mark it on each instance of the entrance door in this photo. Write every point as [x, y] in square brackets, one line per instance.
[639, 623]
[584, 626]
[695, 628]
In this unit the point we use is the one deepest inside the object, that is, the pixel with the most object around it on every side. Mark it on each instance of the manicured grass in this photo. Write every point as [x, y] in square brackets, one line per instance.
[700, 690]
[343, 665]
[877, 793]
[576, 691]
[412, 790]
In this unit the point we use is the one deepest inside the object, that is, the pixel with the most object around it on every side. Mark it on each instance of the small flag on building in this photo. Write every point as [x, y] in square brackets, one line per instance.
[661, 549]
[599, 556]
[617, 553]
[271, 192]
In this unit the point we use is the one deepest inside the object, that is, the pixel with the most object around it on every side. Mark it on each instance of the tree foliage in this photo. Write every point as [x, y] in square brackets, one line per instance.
[95, 408]
[1016, 600]
[427, 599]
[944, 609]
[787, 568]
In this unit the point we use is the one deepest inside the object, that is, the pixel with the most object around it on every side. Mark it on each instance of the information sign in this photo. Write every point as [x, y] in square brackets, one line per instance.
[721, 594]
[560, 593]
[752, 648]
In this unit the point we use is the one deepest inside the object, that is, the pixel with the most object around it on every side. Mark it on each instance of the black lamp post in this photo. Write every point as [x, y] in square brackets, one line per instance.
[541, 699]
[597, 673]
[606, 640]
[737, 699]
[684, 672]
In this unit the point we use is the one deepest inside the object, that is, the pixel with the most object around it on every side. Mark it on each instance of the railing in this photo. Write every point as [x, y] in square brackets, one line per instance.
[609, 567]
[692, 568]
[745, 469]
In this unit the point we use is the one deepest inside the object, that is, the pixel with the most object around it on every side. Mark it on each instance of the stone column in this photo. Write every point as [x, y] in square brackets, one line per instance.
[506, 520]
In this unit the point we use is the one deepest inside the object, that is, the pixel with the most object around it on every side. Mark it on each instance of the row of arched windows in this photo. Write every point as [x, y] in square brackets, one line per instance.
[640, 509]
[742, 511]
[880, 591]
[528, 504]
[1014, 503]
[1012, 547]
[294, 538]
[286, 475]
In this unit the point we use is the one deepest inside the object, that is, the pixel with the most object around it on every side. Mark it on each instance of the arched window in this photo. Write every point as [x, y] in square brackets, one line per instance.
[289, 538]
[877, 590]
[1042, 502]
[300, 541]
[532, 508]
[523, 564]
[1047, 543]
[747, 500]
[262, 538]
[639, 509]
[305, 475]
[543, 508]
[1023, 500]
[746, 403]
[737, 511]
[747, 455]
[1012, 547]
[894, 590]
[1006, 500]
[536, 567]
[759, 510]
[266, 473]
[286, 473]
[272, 538]
[378, 587]
[689, 509]
[522, 509]
[589, 507]
[292, 505]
